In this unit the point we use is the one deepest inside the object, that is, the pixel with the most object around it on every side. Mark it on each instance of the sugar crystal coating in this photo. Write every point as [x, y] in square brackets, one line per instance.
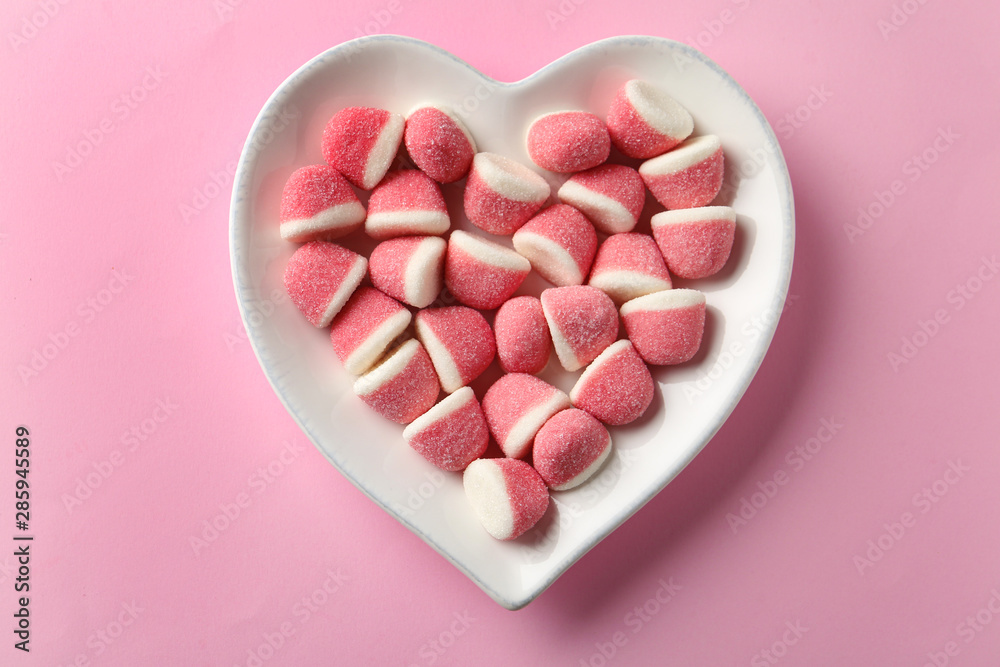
[320, 276]
[616, 387]
[409, 268]
[568, 141]
[695, 242]
[480, 273]
[611, 196]
[629, 265]
[570, 448]
[687, 176]
[560, 244]
[361, 142]
[507, 496]
[583, 321]
[452, 434]
[439, 143]
[368, 323]
[501, 194]
[317, 203]
[402, 385]
[644, 121]
[406, 203]
[459, 341]
[522, 334]
[666, 327]
[516, 406]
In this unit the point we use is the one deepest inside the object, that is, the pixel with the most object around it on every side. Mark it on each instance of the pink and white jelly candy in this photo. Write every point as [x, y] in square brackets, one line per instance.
[690, 175]
[516, 406]
[452, 434]
[583, 321]
[406, 203]
[501, 194]
[695, 242]
[361, 143]
[439, 143]
[616, 387]
[409, 268]
[318, 203]
[402, 385]
[480, 273]
[368, 323]
[644, 121]
[320, 277]
[627, 266]
[507, 496]
[459, 341]
[522, 334]
[560, 244]
[611, 196]
[570, 448]
[568, 141]
[666, 327]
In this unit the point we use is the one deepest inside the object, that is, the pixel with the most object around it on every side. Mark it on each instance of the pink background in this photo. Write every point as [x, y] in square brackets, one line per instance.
[116, 286]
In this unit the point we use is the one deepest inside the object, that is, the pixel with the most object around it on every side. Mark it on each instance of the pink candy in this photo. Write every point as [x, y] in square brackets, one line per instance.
[409, 268]
[480, 273]
[507, 496]
[406, 203]
[516, 406]
[695, 242]
[611, 196]
[666, 327]
[583, 321]
[318, 203]
[439, 143]
[522, 334]
[616, 387]
[570, 448]
[459, 341]
[366, 326]
[501, 195]
[687, 176]
[629, 265]
[644, 121]
[560, 244]
[361, 142]
[568, 141]
[402, 386]
[452, 434]
[320, 277]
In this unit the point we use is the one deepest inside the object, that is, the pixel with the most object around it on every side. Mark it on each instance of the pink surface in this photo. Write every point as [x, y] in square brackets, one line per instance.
[845, 514]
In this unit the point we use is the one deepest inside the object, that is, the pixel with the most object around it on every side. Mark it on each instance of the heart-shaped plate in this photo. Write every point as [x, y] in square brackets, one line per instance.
[692, 400]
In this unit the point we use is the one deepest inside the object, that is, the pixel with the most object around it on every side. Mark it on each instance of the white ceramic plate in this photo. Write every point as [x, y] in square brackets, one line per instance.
[692, 401]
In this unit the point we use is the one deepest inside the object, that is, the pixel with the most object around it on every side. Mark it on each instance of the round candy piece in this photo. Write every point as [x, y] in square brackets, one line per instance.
[406, 203]
[409, 268]
[611, 196]
[627, 266]
[570, 448]
[666, 327]
[318, 203]
[452, 434]
[361, 142]
[616, 387]
[439, 143]
[501, 195]
[459, 341]
[560, 244]
[365, 327]
[507, 496]
[516, 406]
[568, 141]
[320, 276]
[583, 321]
[644, 121]
[695, 242]
[402, 385]
[523, 339]
[480, 273]
[687, 176]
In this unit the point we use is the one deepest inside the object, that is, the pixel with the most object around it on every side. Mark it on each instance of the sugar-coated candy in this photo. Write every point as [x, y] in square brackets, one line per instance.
[318, 203]
[611, 196]
[644, 121]
[439, 143]
[452, 434]
[616, 387]
[409, 268]
[368, 323]
[569, 448]
[522, 334]
[361, 143]
[402, 385]
[406, 203]
[507, 496]
[568, 141]
[695, 242]
[583, 321]
[501, 194]
[516, 406]
[629, 265]
[320, 276]
[459, 341]
[560, 244]
[666, 327]
[481, 273]
[687, 176]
